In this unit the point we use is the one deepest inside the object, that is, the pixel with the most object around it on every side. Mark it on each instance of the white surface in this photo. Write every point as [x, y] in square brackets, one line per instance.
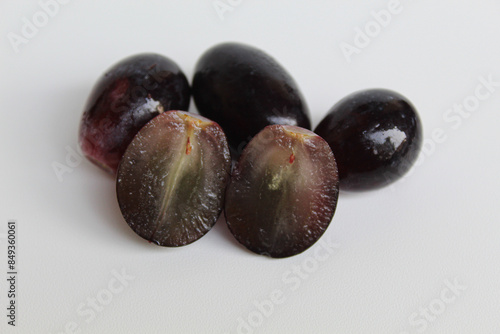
[397, 247]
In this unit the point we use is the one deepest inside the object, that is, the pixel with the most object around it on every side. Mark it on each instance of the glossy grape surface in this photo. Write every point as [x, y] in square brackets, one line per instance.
[244, 90]
[283, 191]
[376, 136]
[124, 99]
[172, 178]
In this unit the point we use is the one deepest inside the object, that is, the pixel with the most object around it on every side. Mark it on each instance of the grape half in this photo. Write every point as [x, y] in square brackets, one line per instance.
[172, 178]
[283, 191]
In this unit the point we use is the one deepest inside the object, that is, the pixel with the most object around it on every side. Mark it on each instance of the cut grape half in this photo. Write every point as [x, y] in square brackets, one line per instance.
[172, 178]
[283, 191]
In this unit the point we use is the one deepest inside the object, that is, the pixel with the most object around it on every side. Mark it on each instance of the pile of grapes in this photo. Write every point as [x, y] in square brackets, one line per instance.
[174, 170]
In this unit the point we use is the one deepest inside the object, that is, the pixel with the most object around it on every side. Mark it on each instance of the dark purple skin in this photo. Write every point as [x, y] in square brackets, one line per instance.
[283, 191]
[124, 99]
[244, 90]
[376, 136]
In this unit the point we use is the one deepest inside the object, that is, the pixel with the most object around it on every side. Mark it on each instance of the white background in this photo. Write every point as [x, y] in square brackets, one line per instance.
[397, 247]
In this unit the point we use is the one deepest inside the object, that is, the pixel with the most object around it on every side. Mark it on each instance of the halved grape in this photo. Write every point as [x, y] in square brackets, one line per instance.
[283, 191]
[123, 100]
[172, 178]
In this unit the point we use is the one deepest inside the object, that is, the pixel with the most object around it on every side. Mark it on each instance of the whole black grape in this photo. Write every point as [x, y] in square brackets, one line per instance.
[244, 90]
[124, 99]
[376, 136]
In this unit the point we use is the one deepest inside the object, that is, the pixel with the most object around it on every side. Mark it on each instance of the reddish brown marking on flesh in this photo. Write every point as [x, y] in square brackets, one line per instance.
[292, 158]
[188, 147]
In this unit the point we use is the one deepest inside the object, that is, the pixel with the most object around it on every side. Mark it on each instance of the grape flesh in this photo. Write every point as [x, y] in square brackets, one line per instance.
[172, 178]
[283, 191]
